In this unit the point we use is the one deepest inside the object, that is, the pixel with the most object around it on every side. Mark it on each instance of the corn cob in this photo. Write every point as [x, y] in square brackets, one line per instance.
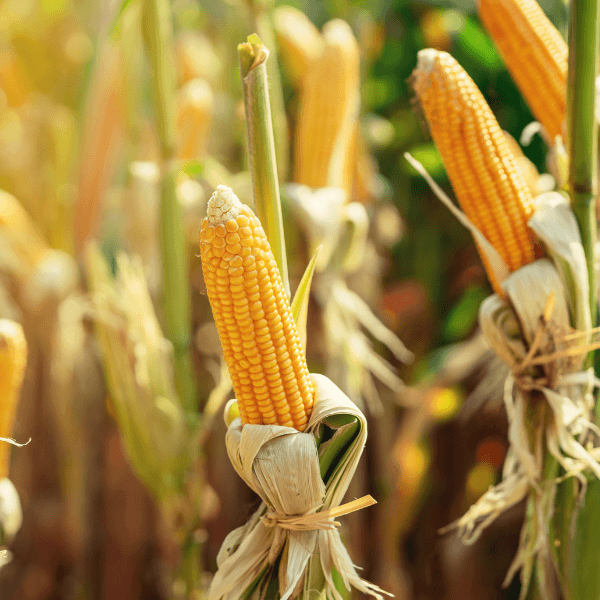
[20, 232]
[253, 316]
[194, 113]
[13, 358]
[13, 78]
[327, 119]
[299, 41]
[534, 53]
[489, 187]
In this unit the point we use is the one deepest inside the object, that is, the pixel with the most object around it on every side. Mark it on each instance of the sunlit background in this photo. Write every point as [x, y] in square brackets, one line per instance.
[80, 165]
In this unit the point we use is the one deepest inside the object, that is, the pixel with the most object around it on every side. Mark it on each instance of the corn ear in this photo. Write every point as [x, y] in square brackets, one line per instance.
[487, 183]
[258, 334]
[300, 42]
[534, 53]
[328, 115]
[195, 104]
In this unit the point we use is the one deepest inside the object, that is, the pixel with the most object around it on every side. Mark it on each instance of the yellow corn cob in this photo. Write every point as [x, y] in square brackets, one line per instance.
[528, 169]
[196, 58]
[534, 53]
[13, 78]
[194, 113]
[300, 42]
[256, 327]
[489, 187]
[17, 228]
[13, 357]
[327, 119]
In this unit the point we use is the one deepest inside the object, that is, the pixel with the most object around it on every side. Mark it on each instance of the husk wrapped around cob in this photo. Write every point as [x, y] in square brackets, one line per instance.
[538, 322]
[298, 439]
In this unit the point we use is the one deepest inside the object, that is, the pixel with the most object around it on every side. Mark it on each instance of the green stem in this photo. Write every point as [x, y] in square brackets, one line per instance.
[176, 296]
[253, 56]
[580, 576]
[583, 129]
[158, 37]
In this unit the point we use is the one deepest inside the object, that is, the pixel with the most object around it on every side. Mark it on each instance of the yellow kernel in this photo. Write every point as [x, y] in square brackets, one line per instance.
[232, 225]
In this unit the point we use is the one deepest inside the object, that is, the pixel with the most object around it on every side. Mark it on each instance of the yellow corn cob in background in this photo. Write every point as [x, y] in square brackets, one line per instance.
[253, 316]
[195, 105]
[328, 113]
[299, 41]
[534, 53]
[13, 358]
[482, 170]
[19, 232]
[528, 169]
[196, 58]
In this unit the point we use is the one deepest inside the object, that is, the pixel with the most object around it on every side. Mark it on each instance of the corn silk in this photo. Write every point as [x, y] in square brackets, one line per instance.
[282, 466]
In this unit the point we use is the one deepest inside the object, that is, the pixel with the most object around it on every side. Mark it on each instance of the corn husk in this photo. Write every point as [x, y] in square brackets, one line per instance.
[283, 467]
[531, 331]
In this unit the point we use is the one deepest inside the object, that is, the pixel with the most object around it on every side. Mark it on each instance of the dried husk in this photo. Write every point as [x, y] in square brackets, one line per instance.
[522, 328]
[282, 466]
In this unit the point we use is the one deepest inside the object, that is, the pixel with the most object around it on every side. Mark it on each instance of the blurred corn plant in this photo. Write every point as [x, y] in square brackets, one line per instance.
[13, 357]
[531, 466]
[327, 156]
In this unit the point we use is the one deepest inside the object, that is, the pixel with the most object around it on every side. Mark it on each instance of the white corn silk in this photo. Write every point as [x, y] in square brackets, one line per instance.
[281, 465]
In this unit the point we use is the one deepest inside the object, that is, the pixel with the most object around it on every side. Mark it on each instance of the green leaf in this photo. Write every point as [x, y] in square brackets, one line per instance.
[301, 297]
[345, 428]
[116, 24]
[464, 313]
[583, 576]
[192, 168]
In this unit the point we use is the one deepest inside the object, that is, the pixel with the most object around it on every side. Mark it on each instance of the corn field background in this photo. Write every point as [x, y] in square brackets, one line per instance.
[85, 151]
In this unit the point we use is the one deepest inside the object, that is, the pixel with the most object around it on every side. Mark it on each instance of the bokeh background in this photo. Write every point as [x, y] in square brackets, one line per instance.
[77, 145]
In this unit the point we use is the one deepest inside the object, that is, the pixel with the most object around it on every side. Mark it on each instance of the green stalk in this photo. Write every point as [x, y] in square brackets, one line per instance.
[580, 552]
[583, 129]
[158, 37]
[253, 56]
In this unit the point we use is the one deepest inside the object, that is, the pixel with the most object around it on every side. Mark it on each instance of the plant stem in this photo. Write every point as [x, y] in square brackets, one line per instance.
[581, 577]
[583, 129]
[253, 56]
[158, 36]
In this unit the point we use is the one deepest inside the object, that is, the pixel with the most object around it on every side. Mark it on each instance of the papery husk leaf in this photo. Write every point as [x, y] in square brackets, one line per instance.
[319, 213]
[555, 225]
[567, 419]
[282, 466]
[11, 515]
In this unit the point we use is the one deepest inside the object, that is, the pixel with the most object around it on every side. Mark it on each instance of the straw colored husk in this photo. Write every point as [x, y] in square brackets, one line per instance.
[282, 466]
[531, 331]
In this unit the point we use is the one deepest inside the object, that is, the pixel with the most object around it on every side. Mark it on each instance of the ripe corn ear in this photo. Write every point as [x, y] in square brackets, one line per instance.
[328, 113]
[195, 104]
[534, 53]
[487, 183]
[22, 235]
[299, 41]
[13, 358]
[253, 316]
